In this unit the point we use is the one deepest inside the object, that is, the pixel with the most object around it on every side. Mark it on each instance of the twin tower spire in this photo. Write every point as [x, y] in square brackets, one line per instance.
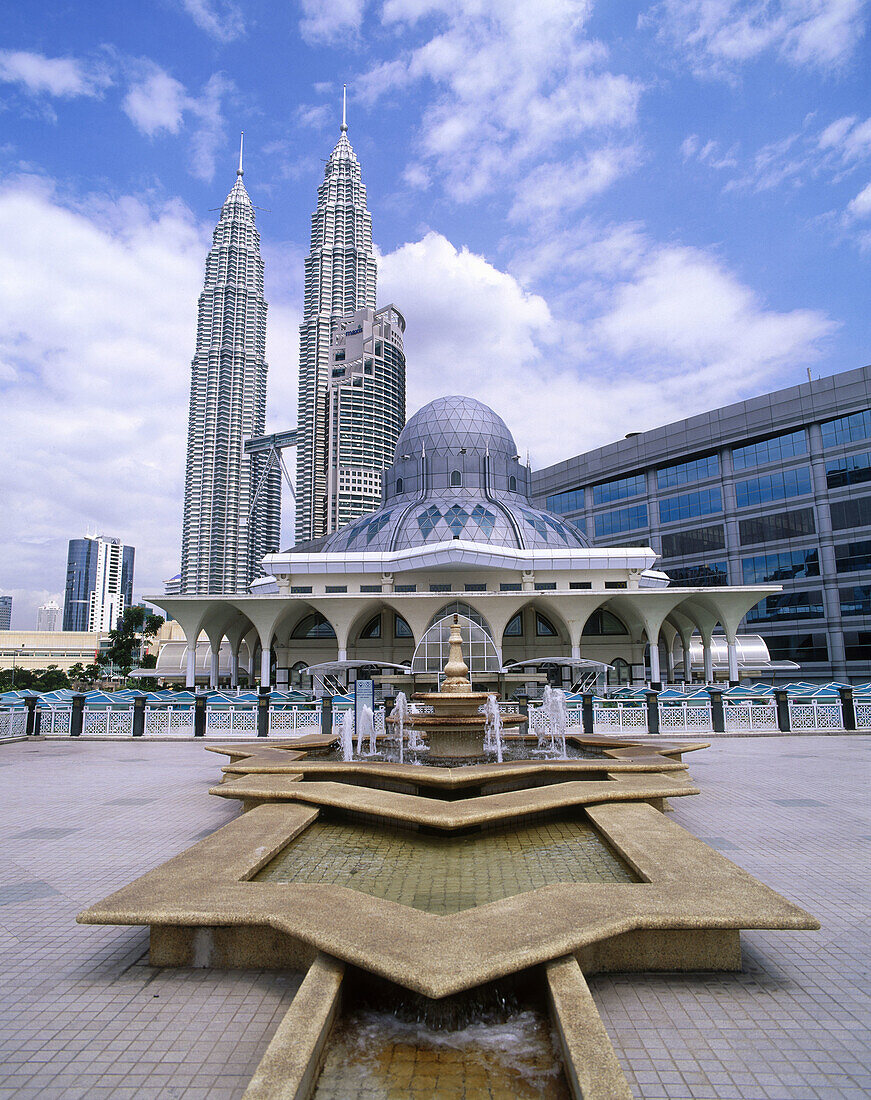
[232, 497]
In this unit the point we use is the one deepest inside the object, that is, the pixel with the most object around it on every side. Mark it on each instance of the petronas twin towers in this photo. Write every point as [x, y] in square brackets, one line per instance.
[351, 391]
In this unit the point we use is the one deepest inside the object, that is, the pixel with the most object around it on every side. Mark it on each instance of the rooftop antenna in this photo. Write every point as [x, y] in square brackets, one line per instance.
[239, 171]
[344, 108]
[809, 375]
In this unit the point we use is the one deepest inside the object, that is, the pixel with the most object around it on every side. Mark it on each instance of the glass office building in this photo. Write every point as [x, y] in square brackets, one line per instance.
[775, 489]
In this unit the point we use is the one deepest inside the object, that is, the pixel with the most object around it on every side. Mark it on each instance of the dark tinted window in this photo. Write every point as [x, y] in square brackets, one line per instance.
[621, 519]
[603, 622]
[851, 513]
[797, 647]
[778, 486]
[857, 645]
[846, 429]
[684, 474]
[853, 556]
[780, 525]
[769, 450]
[572, 500]
[709, 575]
[620, 489]
[786, 566]
[704, 502]
[788, 605]
[848, 470]
[699, 541]
[856, 600]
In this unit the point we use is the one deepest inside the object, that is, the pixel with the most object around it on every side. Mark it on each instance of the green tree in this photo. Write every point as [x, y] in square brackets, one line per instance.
[125, 641]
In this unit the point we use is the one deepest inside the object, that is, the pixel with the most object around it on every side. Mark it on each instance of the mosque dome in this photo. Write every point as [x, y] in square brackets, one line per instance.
[456, 475]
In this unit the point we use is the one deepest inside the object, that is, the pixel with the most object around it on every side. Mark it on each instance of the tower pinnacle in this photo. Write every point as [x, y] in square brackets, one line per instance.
[344, 126]
[239, 171]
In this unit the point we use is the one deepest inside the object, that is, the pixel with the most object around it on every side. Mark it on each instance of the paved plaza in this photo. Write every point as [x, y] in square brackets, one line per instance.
[83, 1015]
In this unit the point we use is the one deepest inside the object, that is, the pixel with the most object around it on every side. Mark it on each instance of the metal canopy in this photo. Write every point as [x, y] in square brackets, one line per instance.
[569, 662]
[327, 667]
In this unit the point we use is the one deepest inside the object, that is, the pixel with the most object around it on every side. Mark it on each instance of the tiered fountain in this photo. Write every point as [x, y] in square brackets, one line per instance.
[462, 726]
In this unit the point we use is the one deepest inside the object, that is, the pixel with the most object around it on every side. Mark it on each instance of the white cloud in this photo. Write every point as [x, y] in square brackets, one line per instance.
[719, 35]
[221, 19]
[97, 334]
[324, 20]
[512, 81]
[860, 207]
[670, 332]
[63, 77]
[158, 103]
[553, 190]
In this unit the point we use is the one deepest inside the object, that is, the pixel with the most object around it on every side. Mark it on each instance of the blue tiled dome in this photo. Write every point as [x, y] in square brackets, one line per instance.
[456, 474]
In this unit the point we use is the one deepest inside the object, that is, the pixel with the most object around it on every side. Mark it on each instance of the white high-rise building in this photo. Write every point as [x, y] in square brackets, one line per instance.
[107, 598]
[340, 275]
[232, 499]
[365, 411]
[47, 616]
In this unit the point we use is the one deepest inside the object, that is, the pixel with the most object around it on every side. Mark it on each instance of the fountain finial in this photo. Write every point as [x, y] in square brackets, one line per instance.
[456, 681]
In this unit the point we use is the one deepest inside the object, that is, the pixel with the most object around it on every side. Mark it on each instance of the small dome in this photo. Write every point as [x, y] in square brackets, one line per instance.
[451, 423]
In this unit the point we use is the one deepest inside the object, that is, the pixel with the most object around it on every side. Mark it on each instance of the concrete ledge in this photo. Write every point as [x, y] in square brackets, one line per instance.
[292, 1063]
[589, 1061]
[664, 949]
[229, 947]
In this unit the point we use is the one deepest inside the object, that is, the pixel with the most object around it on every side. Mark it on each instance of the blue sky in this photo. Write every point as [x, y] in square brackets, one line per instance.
[596, 216]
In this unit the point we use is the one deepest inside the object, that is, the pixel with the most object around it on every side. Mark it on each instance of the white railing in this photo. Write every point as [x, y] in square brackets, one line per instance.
[863, 715]
[169, 722]
[297, 721]
[13, 722]
[813, 715]
[108, 723]
[750, 717]
[231, 722]
[685, 718]
[55, 721]
[620, 718]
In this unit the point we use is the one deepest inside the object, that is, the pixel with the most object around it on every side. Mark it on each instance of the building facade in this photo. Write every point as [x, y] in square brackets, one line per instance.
[365, 410]
[340, 278]
[47, 616]
[457, 534]
[774, 489]
[99, 583]
[5, 612]
[37, 649]
[232, 500]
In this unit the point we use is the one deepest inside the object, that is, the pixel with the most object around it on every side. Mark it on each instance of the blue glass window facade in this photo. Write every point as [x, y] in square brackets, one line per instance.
[572, 500]
[853, 557]
[669, 477]
[786, 566]
[779, 486]
[847, 429]
[770, 450]
[856, 600]
[709, 575]
[704, 502]
[621, 519]
[848, 470]
[81, 581]
[621, 489]
[788, 605]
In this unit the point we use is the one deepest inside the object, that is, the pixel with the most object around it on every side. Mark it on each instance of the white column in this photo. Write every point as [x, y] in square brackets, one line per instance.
[709, 662]
[191, 671]
[654, 661]
[343, 654]
[576, 652]
[213, 666]
[251, 663]
[687, 662]
[733, 660]
[669, 664]
[234, 668]
[265, 666]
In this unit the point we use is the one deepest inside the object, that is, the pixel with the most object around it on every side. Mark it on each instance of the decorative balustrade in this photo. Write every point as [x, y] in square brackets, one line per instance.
[13, 722]
[114, 722]
[750, 717]
[692, 717]
[863, 715]
[169, 722]
[814, 715]
[231, 722]
[619, 718]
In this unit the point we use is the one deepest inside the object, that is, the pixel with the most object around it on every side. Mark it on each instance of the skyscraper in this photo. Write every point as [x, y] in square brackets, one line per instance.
[340, 275]
[46, 617]
[5, 612]
[231, 502]
[99, 583]
[365, 410]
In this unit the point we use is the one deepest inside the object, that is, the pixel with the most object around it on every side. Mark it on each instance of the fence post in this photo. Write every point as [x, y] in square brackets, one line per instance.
[587, 713]
[32, 727]
[139, 717]
[781, 698]
[200, 716]
[652, 713]
[263, 713]
[848, 708]
[77, 716]
[327, 716]
[718, 713]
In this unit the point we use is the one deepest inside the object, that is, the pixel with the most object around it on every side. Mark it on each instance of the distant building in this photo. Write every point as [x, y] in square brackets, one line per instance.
[47, 616]
[365, 411]
[99, 583]
[37, 649]
[773, 489]
[340, 276]
[5, 612]
[232, 500]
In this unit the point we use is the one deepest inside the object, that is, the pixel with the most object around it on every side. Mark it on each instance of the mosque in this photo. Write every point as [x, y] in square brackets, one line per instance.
[457, 534]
